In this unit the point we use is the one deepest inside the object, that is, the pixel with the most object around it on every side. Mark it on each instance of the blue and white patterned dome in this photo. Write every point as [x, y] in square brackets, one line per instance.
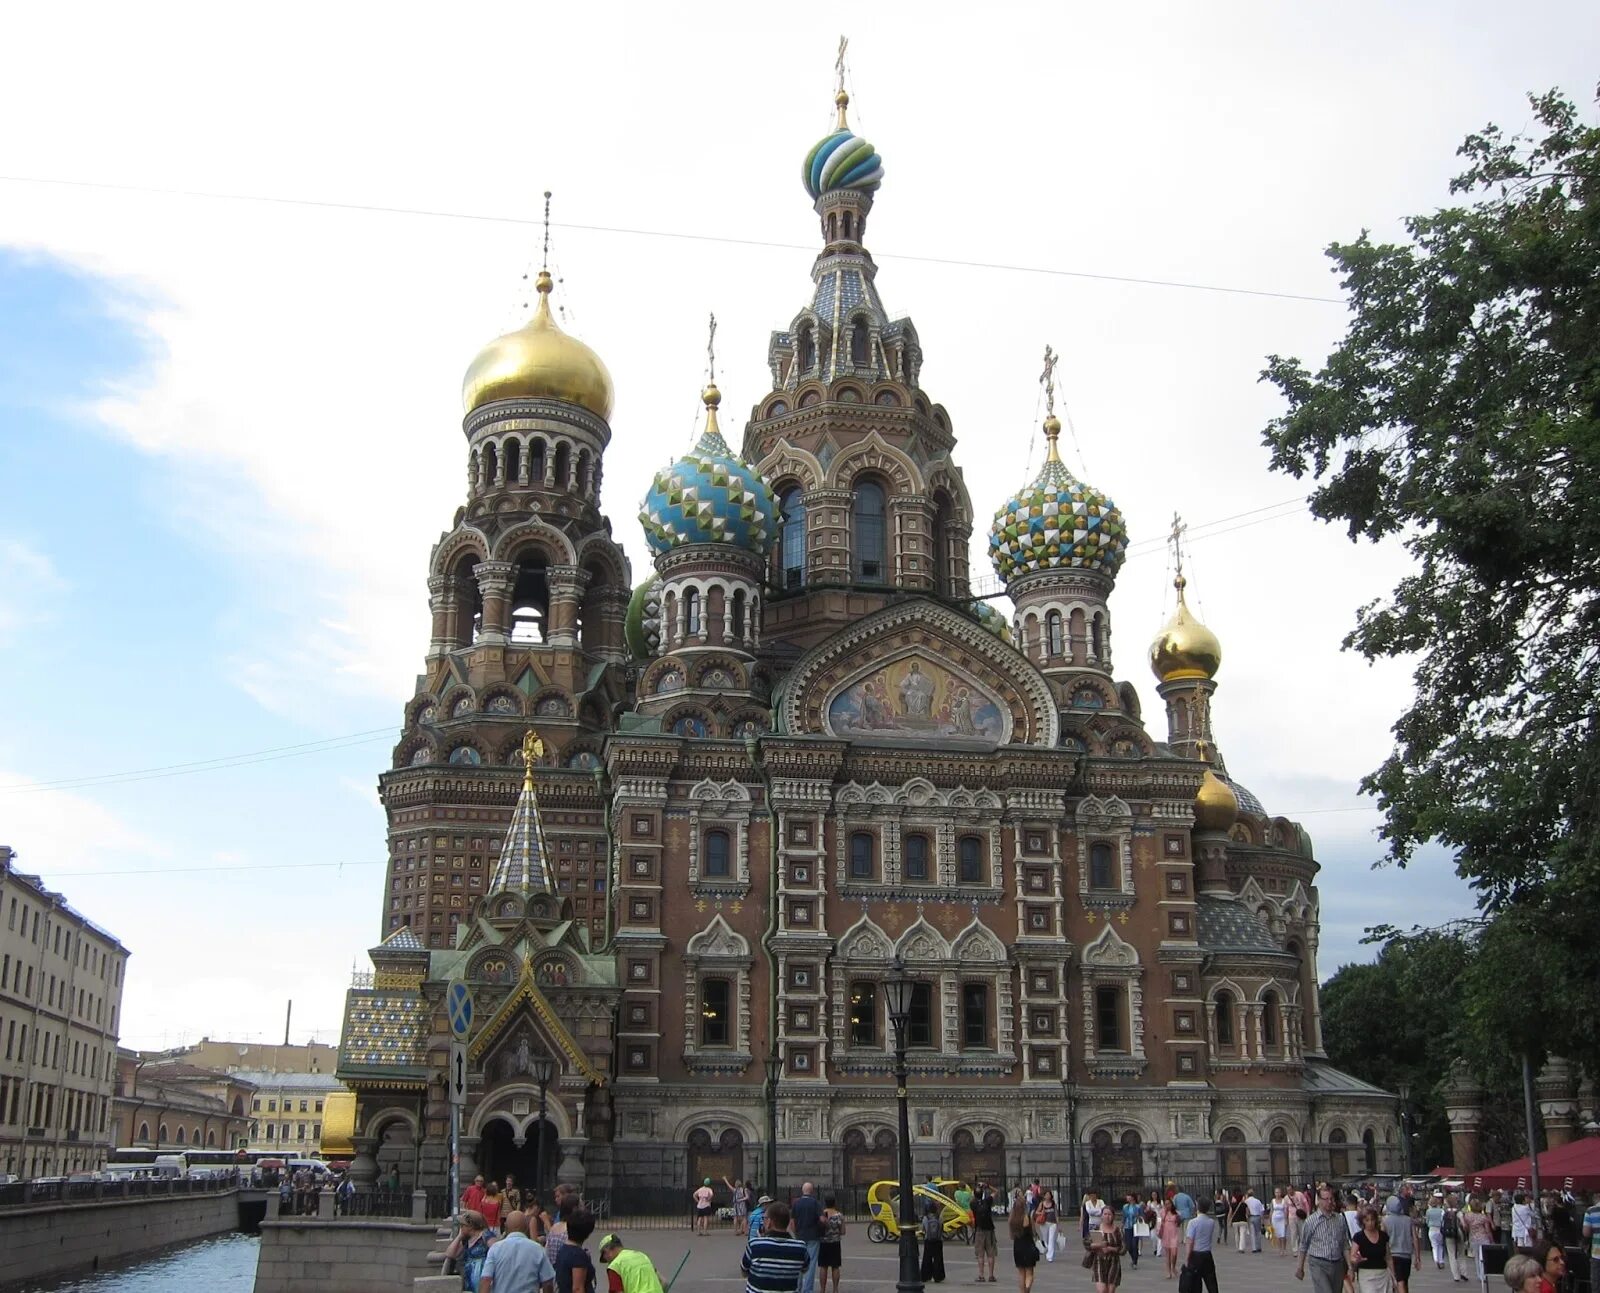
[710, 495]
[841, 160]
[1057, 523]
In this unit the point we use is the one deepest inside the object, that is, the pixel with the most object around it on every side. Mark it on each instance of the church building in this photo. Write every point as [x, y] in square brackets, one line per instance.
[674, 833]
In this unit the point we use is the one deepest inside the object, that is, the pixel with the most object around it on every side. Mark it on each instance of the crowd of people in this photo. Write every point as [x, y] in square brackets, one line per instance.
[1357, 1242]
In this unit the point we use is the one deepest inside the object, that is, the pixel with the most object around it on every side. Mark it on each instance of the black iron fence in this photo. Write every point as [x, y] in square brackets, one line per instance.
[26, 1193]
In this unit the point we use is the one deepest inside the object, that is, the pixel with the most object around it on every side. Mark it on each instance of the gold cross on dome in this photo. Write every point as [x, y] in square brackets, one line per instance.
[711, 350]
[838, 63]
[1048, 377]
[1176, 540]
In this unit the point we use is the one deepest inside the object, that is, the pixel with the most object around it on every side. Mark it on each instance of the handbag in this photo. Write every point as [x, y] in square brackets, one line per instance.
[1188, 1280]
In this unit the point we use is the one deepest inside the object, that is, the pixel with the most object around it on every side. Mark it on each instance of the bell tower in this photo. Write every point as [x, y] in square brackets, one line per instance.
[528, 592]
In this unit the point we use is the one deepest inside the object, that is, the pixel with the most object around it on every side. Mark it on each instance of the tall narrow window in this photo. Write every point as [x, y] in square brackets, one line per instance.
[1269, 1019]
[867, 519]
[737, 616]
[1224, 1019]
[1108, 1017]
[717, 852]
[970, 855]
[807, 351]
[792, 542]
[691, 612]
[1102, 871]
[861, 855]
[917, 858]
[974, 1015]
[860, 344]
[1055, 642]
[715, 997]
[863, 1013]
[919, 1026]
[1096, 641]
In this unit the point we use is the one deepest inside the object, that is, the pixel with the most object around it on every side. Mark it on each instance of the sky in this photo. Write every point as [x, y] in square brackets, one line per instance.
[245, 257]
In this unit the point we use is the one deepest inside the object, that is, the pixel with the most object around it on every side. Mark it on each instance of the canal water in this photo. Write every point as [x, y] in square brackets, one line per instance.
[221, 1262]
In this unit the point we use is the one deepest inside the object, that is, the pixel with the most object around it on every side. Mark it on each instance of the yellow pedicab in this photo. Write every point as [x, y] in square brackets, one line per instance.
[883, 1206]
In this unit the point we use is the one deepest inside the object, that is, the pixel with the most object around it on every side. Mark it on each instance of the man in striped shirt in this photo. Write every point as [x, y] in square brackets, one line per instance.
[775, 1262]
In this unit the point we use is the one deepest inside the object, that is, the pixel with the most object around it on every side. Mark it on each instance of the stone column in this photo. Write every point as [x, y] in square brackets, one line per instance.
[494, 584]
[571, 1170]
[364, 1166]
[567, 584]
[1556, 1089]
[441, 604]
[1211, 863]
[1463, 1106]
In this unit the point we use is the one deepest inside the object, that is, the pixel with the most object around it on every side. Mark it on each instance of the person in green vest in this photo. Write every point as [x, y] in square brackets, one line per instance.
[635, 1271]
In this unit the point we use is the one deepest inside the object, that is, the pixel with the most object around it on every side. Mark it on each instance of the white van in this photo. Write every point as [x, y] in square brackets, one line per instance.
[175, 1166]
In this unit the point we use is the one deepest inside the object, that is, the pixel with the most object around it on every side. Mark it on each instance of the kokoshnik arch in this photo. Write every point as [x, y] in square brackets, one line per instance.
[795, 752]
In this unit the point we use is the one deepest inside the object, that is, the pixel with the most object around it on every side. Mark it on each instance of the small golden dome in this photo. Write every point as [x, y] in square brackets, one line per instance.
[538, 361]
[1216, 807]
[1185, 648]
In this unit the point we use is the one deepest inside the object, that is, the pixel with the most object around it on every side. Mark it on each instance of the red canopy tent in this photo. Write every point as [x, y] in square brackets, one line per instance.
[1575, 1166]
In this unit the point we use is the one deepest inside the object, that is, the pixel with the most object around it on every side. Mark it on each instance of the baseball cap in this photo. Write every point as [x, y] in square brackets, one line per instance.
[607, 1241]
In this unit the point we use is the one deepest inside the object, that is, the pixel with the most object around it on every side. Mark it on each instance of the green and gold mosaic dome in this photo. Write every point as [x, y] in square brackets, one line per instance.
[1057, 523]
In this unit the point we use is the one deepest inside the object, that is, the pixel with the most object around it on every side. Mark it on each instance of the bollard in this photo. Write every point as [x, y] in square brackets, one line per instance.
[272, 1205]
[325, 1203]
[419, 1205]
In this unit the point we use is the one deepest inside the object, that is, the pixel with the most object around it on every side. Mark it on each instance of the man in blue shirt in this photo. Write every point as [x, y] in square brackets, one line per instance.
[516, 1264]
[774, 1262]
[1184, 1203]
[1201, 1233]
[757, 1216]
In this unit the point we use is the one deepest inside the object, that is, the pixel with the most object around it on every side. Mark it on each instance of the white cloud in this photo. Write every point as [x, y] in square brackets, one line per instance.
[30, 587]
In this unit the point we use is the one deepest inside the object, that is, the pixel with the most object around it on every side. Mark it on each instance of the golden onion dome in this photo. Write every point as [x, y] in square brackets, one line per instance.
[539, 361]
[1185, 648]
[1216, 807]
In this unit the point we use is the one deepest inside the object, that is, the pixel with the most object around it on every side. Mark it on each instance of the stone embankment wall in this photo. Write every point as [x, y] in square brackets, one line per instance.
[46, 1239]
[344, 1255]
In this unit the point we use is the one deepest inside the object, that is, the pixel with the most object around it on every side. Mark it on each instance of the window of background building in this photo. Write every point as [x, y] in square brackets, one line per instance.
[867, 524]
[717, 851]
[1055, 642]
[1101, 870]
[1224, 1019]
[792, 541]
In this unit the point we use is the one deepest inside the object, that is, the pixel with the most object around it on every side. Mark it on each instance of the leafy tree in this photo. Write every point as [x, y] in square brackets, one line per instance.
[1460, 415]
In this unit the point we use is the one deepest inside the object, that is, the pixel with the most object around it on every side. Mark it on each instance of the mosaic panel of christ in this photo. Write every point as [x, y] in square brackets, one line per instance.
[916, 699]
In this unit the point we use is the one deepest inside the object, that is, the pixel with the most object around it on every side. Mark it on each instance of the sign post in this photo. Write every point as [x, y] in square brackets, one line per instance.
[458, 1006]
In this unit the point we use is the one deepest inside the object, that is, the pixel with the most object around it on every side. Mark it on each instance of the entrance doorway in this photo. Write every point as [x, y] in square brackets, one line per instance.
[500, 1155]
[1232, 1160]
[722, 1161]
[866, 1162]
[396, 1152]
[972, 1162]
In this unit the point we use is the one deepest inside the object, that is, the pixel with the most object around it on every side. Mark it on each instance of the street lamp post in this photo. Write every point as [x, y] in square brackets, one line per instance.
[1404, 1090]
[774, 1063]
[1069, 1089]
[544, 1068]
[898, 990]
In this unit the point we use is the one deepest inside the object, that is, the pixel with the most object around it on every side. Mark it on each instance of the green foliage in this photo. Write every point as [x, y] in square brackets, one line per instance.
[1460, 416]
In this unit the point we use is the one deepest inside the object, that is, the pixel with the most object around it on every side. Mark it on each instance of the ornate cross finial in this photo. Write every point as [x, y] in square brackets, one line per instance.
[841, 96]
[1176, 540]
[532, 752]
[545, 262]
[711, 350]
[1048, 377]
[838, 63]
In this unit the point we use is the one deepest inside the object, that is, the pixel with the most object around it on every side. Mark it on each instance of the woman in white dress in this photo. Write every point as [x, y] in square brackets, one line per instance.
[1280, 1221]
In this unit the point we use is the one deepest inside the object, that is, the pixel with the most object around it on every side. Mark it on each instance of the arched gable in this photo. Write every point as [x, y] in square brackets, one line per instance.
[918, 671]
[791, 461]
[1108, 948]
[864, 941]
[874, 453]
[977, 942]
[536, 534]
[922, 943]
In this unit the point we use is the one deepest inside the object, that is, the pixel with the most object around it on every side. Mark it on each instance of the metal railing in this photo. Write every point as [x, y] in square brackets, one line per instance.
[28, 1193]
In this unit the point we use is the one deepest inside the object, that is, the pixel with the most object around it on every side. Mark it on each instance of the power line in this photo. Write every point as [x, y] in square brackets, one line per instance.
[272, 755]
[440, 213]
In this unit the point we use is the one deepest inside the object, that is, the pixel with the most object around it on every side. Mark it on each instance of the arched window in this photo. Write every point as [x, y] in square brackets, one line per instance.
[792, 540]
[860, 342]
[491, 467]
[1055, 642]
[563, 464]
[861, 859]
[1269, 1019]
[736, 618]
[162, 1134]
[144, 1131]
[1338, 1153]
[536, 460]
[970, 858]
[1102, 869]
[717, 853]
[1369, 1147]
[917, 858]
[847, 224]
[863, 1013]
[1224, 1019]
[530, 599]
[181, 1136]
[513, 461]
[691, 612]
[867, 521]
[1096, 642]
[806, 350]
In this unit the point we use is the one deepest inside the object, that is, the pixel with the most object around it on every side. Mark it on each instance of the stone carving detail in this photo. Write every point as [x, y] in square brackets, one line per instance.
[1110, 949]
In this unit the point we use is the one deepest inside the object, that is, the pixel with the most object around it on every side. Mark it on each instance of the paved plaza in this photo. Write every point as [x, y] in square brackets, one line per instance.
[871, 1268]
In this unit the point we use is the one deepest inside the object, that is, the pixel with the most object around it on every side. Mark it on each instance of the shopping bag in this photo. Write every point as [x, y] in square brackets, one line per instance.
[1188, 1280]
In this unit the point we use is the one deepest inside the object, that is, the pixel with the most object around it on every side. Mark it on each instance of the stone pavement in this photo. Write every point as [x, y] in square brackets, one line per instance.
[871, 1268]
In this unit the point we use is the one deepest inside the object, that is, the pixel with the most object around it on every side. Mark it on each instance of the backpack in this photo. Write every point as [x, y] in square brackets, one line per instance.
[1451, 1226]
